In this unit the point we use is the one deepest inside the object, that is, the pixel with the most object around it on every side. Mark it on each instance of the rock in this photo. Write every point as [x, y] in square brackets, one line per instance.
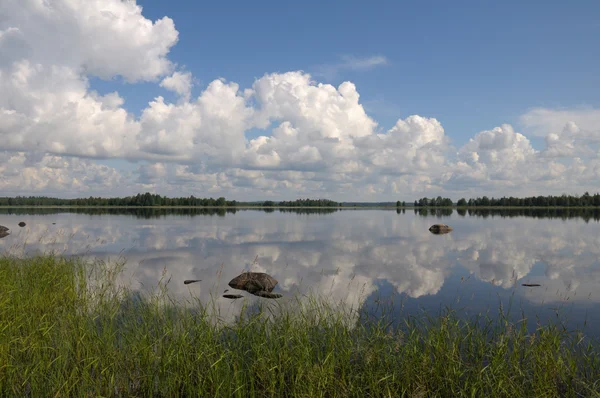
[3, 234]
[270, 295]
[530, 284]
[22, 224]
[233, 296]
[3, 228]
[257, 283]
[440, 229]
[188, 281]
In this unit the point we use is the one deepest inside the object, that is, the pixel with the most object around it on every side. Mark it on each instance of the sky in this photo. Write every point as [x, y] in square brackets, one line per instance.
[340, 100]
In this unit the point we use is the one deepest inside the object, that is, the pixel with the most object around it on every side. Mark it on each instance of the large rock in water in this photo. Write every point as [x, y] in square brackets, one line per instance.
[3, 234]
[440, 229]
[257, 283]
[3, 228]
[22, 224]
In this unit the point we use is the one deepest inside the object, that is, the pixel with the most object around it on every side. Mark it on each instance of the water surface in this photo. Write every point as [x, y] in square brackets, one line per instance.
[348, 256]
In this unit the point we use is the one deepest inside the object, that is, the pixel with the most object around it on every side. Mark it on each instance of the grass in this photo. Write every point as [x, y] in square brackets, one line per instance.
[67, 329]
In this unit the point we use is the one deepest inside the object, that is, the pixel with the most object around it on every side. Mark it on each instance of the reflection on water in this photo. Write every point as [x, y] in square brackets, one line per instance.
[157, 212]
[345, 255]
[587, 214]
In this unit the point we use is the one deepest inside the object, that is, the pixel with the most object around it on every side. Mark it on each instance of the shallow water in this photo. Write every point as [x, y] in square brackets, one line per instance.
[348, 256]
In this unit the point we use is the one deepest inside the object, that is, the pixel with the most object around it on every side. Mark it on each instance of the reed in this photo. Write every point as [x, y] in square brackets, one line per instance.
[68, 329]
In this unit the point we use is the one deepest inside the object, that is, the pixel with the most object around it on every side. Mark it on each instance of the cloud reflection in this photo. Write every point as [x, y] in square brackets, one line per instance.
[343, 256]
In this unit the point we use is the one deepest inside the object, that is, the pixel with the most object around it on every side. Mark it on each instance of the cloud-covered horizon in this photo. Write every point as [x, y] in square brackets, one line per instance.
[60, 137]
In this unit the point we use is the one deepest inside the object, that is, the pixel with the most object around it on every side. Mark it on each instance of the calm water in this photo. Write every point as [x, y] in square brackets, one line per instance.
[349, 255]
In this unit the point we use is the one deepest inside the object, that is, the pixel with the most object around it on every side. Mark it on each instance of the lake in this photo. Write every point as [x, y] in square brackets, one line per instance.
[348, 256]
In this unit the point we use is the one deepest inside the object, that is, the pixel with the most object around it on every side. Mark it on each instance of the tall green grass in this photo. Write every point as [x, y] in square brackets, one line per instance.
[67, 329]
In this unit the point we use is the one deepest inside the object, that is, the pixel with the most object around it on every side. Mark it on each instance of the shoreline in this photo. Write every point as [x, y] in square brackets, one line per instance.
[302, 207]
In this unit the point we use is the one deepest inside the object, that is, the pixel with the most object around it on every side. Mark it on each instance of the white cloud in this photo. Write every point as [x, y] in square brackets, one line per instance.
[501, 152]
[59, 176]
[568, 132]
[351, 62]
[47, 50]
[51, 109]
[179, 82]
[317, 138]
[412, 145]
[209, 129]
[543, 121]
[104, 38]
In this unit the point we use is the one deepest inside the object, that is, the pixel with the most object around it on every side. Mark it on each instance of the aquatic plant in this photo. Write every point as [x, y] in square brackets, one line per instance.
[68, 329]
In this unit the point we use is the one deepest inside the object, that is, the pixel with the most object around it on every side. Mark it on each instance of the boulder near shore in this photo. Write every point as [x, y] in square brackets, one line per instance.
[440, 229]
[256, 283]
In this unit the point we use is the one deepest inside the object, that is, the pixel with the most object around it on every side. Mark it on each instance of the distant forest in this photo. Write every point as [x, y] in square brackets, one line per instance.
[303, 203]
[437, 202]
[147, 199]
[585, 200]
[543, 201]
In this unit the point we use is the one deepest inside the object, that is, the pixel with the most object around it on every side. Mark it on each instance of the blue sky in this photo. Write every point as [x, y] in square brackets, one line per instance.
[459, 98]
[471, 64]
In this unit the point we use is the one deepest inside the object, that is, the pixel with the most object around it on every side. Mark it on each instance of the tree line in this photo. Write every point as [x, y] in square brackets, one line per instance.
[146, 199]
[437, 202]
[306, 203]
[564, 200]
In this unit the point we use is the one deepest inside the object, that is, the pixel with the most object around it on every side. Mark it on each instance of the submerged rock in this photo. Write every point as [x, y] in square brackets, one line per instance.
[270, 295]
[22, 224]
[233, 296]
[188, 281]
[257, 283]
[440, 229]
[3, 228]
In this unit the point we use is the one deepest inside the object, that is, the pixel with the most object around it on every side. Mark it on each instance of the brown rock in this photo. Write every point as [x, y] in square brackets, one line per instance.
[439, 229]
[257, 283]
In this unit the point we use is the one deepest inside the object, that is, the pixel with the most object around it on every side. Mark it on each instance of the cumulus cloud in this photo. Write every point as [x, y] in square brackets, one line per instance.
[308, 137]
[103, 38]
[209, 129]
[543, 121]
[568, 132]
[498, 154]
[47, 51]
[414, 144]
[60, 176]
[180, 83]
